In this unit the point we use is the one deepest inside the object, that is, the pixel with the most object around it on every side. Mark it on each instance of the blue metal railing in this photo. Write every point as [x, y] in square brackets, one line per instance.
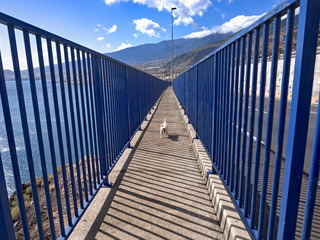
[93, 105]
[219, 95]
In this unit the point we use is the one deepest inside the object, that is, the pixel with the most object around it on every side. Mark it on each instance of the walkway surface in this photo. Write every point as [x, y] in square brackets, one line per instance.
[161, 194]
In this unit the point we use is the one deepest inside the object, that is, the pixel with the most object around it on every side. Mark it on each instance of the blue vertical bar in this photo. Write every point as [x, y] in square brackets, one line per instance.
[281, 121]
[237, 164]
[106, 121]
[128, 105]
[264, 58]
[227, 120]
[58, 123]
[307, 36]
[223, 107]
[30, 160]
[234, 122]
[85, 130]
[88, 115]
[110, 110]
[66, 125]
[218, 141]
[73, 123]
[40, 140]
[252, 115]
[272, 87]
[93, 114]
[50, 132]
[97, 81]
[97, 65]
[6, 225]
[15, 165]
[197, 96]
[79, 123]
[220, 167]
[231, 93]
[214, 111]
[313, 181]
[245, 118]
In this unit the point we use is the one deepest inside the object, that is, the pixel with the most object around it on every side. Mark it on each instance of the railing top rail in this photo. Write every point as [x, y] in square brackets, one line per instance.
[21, 25]
[280, 9]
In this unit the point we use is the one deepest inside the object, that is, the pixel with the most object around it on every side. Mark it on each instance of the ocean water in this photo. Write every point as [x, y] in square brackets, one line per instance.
[18, 133]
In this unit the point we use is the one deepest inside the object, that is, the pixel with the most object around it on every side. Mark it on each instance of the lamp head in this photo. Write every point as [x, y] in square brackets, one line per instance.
[174, 8]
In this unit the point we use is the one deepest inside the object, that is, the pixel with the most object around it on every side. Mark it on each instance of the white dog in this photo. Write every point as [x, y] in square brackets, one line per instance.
[164, 128]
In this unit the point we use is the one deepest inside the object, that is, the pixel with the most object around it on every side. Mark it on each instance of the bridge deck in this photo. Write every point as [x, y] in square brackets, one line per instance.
[160, 193]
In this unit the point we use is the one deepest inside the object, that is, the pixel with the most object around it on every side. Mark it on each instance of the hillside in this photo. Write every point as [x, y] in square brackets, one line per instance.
[162, 50]
[182, 62]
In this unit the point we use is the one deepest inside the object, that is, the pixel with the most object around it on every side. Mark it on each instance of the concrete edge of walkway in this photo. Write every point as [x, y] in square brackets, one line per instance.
[227, 214]
[87, 220]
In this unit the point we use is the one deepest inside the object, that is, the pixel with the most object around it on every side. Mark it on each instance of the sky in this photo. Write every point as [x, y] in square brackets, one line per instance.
[111, 25]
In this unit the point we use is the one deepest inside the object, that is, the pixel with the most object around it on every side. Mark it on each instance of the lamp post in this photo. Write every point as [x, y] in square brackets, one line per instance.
[172, 9]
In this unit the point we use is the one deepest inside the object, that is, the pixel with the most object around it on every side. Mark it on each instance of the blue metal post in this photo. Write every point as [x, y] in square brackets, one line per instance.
[93, 115]
[252, 115]
[6, 226]
[281, 121]
[79, 123]
[66, 124]
[245, 118]
[237, 165]
[58, 123]
[263, 72]
[88, 115]
[85, 131]
[231, 94]
[73, 123]
[100, 118]
[299, 116]
[234, 122]
[272, 87]
[313, 181]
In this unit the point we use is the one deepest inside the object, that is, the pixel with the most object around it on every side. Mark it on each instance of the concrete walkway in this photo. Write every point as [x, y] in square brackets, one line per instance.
[159, 193]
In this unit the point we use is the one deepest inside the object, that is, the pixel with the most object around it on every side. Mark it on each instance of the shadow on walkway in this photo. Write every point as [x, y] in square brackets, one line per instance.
[159, 193]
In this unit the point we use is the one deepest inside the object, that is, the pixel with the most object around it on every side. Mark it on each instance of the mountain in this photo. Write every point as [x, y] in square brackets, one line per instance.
[8, 74]
[186, 60]
[162, 68]
[162, 50]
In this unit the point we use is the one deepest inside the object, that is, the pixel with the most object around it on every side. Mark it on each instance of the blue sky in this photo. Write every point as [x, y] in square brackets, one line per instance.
[109, 25]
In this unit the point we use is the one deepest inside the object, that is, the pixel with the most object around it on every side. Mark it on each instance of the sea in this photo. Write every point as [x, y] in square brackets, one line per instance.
[18, 132]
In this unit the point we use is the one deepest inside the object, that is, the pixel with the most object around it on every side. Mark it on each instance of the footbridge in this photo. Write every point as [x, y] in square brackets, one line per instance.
[83, 158]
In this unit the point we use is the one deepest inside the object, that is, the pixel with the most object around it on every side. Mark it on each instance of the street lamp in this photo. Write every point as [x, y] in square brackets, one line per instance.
[172, 9]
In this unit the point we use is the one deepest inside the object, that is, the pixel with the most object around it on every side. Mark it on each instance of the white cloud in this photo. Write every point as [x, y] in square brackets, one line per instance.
[111, 30]
[96, 30]
[183, 20]
[149, 27]
[98, 25]
[135, 35]
[186, 9]
[234, 25]
[110, 2]
[123, 46]
[108, 45]
[100, 38]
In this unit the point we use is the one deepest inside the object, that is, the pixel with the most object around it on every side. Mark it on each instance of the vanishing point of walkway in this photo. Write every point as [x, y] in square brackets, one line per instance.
[160, 194]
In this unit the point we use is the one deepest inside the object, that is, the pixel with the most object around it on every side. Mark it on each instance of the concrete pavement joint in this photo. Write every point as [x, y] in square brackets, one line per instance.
[229, 218]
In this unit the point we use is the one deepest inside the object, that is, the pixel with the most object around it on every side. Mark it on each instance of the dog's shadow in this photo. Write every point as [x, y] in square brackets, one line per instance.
[173, 137]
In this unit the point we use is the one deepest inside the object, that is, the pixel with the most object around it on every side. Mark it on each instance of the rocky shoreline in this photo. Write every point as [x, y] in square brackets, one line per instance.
[28, 200]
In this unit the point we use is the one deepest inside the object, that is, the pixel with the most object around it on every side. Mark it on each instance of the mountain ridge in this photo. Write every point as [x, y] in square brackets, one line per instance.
[162, 50]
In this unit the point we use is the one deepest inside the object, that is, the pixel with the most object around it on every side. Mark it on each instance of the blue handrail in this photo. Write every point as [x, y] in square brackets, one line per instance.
[223, 116]
[93, 106]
